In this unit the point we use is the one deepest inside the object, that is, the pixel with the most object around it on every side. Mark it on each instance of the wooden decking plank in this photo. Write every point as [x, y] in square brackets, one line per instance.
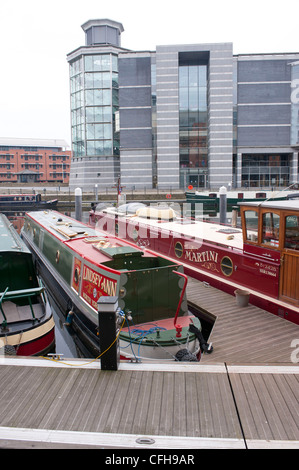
[119, 402]
[192, 407]
[106, 401]
[85, 403]
[89, 419]
[77, 401]
[247, 334]
[286, 408]
[155, 404]
[253, 419]
[167, 405]
[63, 384]
[48, 392]
[136, 404]
[30, 414]
[17, 396]
[179, 404]
[269, 404]
[264, 411]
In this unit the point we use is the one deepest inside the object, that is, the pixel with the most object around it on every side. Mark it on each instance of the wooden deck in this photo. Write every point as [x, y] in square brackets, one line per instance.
[247, 335]
[186, 406]
[243, 395]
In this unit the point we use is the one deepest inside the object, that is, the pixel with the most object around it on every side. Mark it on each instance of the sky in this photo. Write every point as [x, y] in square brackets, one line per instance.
[36, 36]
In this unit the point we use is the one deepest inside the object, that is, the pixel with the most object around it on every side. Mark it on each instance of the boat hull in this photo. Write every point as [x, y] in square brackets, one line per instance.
[36, 341]
[81, 281]
[84, 328]
[223, 266]
[26, 322]
[211, 201]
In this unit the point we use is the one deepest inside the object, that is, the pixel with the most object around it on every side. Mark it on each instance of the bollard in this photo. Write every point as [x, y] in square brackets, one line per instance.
[109, 346]
[78, 204]
[222, 204]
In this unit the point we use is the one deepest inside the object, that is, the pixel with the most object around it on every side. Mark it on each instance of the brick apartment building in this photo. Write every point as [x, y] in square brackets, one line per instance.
[34, 161]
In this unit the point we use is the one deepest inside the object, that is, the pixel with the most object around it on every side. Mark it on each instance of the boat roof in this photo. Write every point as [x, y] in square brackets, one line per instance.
[94, 245]
[9, 238]
[194, 229]
[289, 204]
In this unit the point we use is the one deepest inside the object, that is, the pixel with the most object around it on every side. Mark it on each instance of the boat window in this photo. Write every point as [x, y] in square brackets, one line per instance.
[251, 225]
[292, 232]
[270, 233]
[226, 266]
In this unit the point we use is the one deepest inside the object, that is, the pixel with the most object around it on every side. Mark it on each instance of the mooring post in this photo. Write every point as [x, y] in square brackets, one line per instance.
[109, 345]
[222, 204]
[78, 204]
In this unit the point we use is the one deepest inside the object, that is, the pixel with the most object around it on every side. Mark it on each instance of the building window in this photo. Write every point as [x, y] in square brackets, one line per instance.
[193, 113]
[262, 170]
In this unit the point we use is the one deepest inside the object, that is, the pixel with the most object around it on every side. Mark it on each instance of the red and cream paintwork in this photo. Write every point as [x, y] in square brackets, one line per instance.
[36, 341]
[79, 265]
[217, 254]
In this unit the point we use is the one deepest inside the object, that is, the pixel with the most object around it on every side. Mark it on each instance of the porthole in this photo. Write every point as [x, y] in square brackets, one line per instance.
[57, 256]
[226, 266]
[178, 249]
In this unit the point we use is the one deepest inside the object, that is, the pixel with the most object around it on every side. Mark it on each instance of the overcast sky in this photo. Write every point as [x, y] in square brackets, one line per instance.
[36, 36]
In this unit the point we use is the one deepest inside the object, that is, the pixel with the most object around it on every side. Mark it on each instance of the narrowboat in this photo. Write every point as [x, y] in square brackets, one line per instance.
[27, 327]
[79, 265]
[261, 257]
[210, 200]
[24, 202]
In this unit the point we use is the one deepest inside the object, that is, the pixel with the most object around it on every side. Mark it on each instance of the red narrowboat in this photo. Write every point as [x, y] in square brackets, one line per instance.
[261, 257]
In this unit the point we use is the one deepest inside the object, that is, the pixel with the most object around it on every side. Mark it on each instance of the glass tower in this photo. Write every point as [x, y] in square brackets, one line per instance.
[94, 103]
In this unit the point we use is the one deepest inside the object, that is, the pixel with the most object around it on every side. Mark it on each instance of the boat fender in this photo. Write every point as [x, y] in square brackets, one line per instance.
[69, 318]
[204, 346]
[184, 355]
[9, 350]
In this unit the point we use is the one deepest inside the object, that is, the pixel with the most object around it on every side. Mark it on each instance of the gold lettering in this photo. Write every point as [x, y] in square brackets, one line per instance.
[202, 256]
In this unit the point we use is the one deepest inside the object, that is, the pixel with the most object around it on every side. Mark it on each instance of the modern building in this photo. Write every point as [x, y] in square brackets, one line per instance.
[181, 115]
[34, 161]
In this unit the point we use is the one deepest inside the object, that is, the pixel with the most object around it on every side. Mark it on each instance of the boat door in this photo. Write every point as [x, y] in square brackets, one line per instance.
[289, 275]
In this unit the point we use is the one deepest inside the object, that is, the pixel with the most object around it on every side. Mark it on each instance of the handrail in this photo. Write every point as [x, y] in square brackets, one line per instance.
[3, 295]
[18, 294]
[177, 326]
[1, 299]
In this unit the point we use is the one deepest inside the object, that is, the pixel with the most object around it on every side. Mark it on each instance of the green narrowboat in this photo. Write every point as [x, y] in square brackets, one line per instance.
[79, 265]
[27, 327]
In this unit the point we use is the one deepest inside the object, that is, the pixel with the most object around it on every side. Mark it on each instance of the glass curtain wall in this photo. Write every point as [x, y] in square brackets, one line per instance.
[193, 111]
[94, 105]
[261, 170]
[154, 122]
[295, 104]
[77, 107]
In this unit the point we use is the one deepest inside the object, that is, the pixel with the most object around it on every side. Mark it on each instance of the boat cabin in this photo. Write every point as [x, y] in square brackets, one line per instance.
[271, 232]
